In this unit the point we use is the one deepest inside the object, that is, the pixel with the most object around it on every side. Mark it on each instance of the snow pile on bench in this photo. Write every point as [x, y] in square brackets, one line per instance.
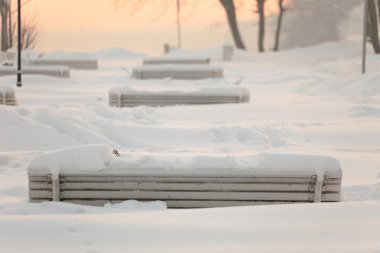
[89, 64]
[99, 158]
[180, 71]
[176, 60]
[7, 96]
[92, 175]
[54, 71]
[128, 97]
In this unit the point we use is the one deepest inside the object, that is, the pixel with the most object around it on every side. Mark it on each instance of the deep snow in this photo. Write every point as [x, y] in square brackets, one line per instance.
[303, 101]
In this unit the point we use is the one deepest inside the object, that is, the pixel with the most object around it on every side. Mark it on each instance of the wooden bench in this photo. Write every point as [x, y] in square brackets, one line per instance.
[89, 64]
[184, 191]
[185, 72]
[124, 97]
[176, 60]
[7, 96]
[54, 71]
[93, 176]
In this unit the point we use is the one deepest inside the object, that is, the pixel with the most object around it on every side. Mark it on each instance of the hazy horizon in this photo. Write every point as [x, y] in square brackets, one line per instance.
[87, 25]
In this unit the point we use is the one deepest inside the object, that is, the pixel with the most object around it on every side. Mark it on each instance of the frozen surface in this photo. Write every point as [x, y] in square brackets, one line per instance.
[310, 101]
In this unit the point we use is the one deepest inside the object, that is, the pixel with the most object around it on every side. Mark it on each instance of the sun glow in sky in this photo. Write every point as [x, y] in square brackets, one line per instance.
[89, 25]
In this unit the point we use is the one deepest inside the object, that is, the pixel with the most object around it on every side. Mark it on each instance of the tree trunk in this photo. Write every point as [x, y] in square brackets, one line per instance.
[260, 9]
[279, 24]
[4, 26]
[229, 7]
[374, 30]
[10, 30]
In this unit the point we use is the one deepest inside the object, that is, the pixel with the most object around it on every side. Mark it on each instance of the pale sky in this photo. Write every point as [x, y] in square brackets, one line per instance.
[91, 25]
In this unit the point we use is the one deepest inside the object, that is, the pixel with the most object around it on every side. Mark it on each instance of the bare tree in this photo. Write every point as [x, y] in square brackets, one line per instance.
[4, 12]
[260, 9]
[281, 10]
[373, 25]
[229, 7]
[29, 32]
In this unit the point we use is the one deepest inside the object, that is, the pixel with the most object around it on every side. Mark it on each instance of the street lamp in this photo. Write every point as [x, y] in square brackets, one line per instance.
[179, 24]
[19, 82]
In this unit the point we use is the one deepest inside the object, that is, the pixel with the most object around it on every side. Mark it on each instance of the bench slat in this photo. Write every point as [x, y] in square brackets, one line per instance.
[71, 63]
[185, 179]
[167, 60]
[181, 178]
[166, 195]
[182, 187]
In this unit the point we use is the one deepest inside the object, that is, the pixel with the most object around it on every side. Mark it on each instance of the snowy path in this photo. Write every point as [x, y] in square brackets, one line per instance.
[311, 101]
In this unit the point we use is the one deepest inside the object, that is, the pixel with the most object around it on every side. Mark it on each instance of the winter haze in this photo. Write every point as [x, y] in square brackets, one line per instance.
[309, 102]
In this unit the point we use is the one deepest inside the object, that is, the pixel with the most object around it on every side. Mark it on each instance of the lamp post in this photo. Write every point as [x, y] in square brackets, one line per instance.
[19, 81]
[179, 24]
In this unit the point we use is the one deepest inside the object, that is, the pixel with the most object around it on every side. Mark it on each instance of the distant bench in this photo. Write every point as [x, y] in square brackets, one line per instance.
[188, 71]
[176, 60]
[92, 176]
[124, 97]
[7, 96]
[54, 71]
[89, 64]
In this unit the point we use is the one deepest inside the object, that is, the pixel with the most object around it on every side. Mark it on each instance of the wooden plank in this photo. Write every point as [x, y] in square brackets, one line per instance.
[180, 178]
[165, 60]
[177, 74]
[89, 64]
[183, 179]
[40, 194]
[188, 195]
[183, 186]
[40, 185]
[156, 195]
[263, 187]
[39, 178]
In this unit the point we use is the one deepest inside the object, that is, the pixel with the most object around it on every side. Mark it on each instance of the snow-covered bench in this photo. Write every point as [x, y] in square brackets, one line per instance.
[90, 64]
[127, 97]
[7, 96]
[180, 71]
[54, 71]
[91, 176]
[175, 60]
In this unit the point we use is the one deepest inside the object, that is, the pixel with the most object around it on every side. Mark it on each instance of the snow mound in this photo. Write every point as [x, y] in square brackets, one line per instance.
[99, 159]
[206, 91]
[118, 53]
[81, 158]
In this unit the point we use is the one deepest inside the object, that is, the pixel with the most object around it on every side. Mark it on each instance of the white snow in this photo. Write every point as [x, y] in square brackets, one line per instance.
[205, 91]
[311, 101]
[99, 159]
[178, 67]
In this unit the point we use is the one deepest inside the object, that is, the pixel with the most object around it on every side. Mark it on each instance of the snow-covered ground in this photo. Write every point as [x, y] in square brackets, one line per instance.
[303, 101]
